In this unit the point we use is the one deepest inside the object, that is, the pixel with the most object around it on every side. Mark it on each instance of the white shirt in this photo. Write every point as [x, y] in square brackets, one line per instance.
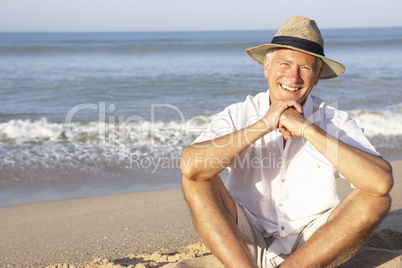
[284, 189]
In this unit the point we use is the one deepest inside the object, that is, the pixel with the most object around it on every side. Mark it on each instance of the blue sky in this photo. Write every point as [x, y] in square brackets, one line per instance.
[190, 15]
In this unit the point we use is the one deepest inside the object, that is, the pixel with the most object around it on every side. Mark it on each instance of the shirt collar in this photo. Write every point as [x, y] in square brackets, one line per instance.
[308, 107]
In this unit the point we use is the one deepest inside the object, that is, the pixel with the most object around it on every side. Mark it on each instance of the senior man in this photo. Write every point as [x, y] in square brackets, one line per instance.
[283, 149]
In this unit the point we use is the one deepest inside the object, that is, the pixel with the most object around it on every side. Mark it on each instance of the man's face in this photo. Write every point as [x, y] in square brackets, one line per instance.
[292, 75]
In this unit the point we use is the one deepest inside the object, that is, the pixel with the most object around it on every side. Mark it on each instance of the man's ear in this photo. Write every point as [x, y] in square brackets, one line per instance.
[266, 67]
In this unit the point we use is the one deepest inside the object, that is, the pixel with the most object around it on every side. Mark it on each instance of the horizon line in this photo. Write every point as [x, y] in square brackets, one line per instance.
[187, 31]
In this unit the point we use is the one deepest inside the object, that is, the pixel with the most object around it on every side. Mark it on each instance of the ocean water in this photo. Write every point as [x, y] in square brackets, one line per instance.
[85, 114]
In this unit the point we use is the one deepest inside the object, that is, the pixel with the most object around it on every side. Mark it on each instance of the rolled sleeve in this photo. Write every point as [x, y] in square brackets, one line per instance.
[221, 125]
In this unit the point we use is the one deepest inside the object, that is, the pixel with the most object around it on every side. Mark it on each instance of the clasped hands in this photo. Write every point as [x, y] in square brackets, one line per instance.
[287, 117]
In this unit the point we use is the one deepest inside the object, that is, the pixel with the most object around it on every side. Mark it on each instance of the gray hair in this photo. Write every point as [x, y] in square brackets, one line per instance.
[271, 53]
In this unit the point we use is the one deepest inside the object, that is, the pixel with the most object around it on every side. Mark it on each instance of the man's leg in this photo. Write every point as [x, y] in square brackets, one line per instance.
[348, 228]
[214, 215]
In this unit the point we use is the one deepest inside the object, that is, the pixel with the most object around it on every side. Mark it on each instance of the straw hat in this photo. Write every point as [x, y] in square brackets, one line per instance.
[301, 34]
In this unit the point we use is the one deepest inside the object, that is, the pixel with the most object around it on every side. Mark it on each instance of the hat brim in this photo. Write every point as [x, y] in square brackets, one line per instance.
[330, 68]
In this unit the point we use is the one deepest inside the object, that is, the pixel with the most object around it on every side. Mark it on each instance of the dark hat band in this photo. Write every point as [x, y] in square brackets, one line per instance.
[299, 43]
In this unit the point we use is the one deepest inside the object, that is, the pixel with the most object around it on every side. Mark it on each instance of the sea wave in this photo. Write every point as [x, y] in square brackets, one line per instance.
[97, 144]
[93, 145]
[379, 122]
[136, 132]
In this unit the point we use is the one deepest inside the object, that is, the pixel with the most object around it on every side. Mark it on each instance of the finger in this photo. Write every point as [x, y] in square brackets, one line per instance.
[285, 132]
[297, 106]
[289, 135]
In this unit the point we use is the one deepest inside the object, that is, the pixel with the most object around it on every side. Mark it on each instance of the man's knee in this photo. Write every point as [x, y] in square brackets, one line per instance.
[194, 190]
[211, 193]
[373, 209]
[383, 206]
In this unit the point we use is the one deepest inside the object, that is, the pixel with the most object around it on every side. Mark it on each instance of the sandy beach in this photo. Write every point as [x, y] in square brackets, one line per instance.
[144, 229]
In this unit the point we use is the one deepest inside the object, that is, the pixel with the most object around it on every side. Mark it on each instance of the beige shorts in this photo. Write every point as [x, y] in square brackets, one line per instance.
[258, 244]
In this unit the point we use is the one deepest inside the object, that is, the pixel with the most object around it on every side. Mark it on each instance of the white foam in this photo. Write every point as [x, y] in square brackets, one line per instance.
[97, 145]
[93, 145]
[376, 123]
[42, 130]
[27, 130]
[159, 135]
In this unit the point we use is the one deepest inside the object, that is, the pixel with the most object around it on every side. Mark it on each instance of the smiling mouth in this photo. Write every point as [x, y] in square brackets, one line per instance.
[290, 88]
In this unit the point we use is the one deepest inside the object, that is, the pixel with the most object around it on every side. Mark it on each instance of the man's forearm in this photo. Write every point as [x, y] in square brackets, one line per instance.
[202, 161]
[367, 172]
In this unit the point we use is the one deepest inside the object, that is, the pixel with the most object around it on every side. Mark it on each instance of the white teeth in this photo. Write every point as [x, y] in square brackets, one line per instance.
[290, 88]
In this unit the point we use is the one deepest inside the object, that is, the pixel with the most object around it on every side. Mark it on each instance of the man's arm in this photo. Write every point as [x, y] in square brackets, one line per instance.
[205, 160]
[367, 172]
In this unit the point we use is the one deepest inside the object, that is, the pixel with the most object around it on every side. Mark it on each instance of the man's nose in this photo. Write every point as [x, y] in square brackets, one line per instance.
[294, 74]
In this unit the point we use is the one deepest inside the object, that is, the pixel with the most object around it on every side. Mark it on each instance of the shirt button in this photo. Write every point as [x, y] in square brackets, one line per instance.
[318, 166]
[282, 228]
[280, 204]
[283, 180]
